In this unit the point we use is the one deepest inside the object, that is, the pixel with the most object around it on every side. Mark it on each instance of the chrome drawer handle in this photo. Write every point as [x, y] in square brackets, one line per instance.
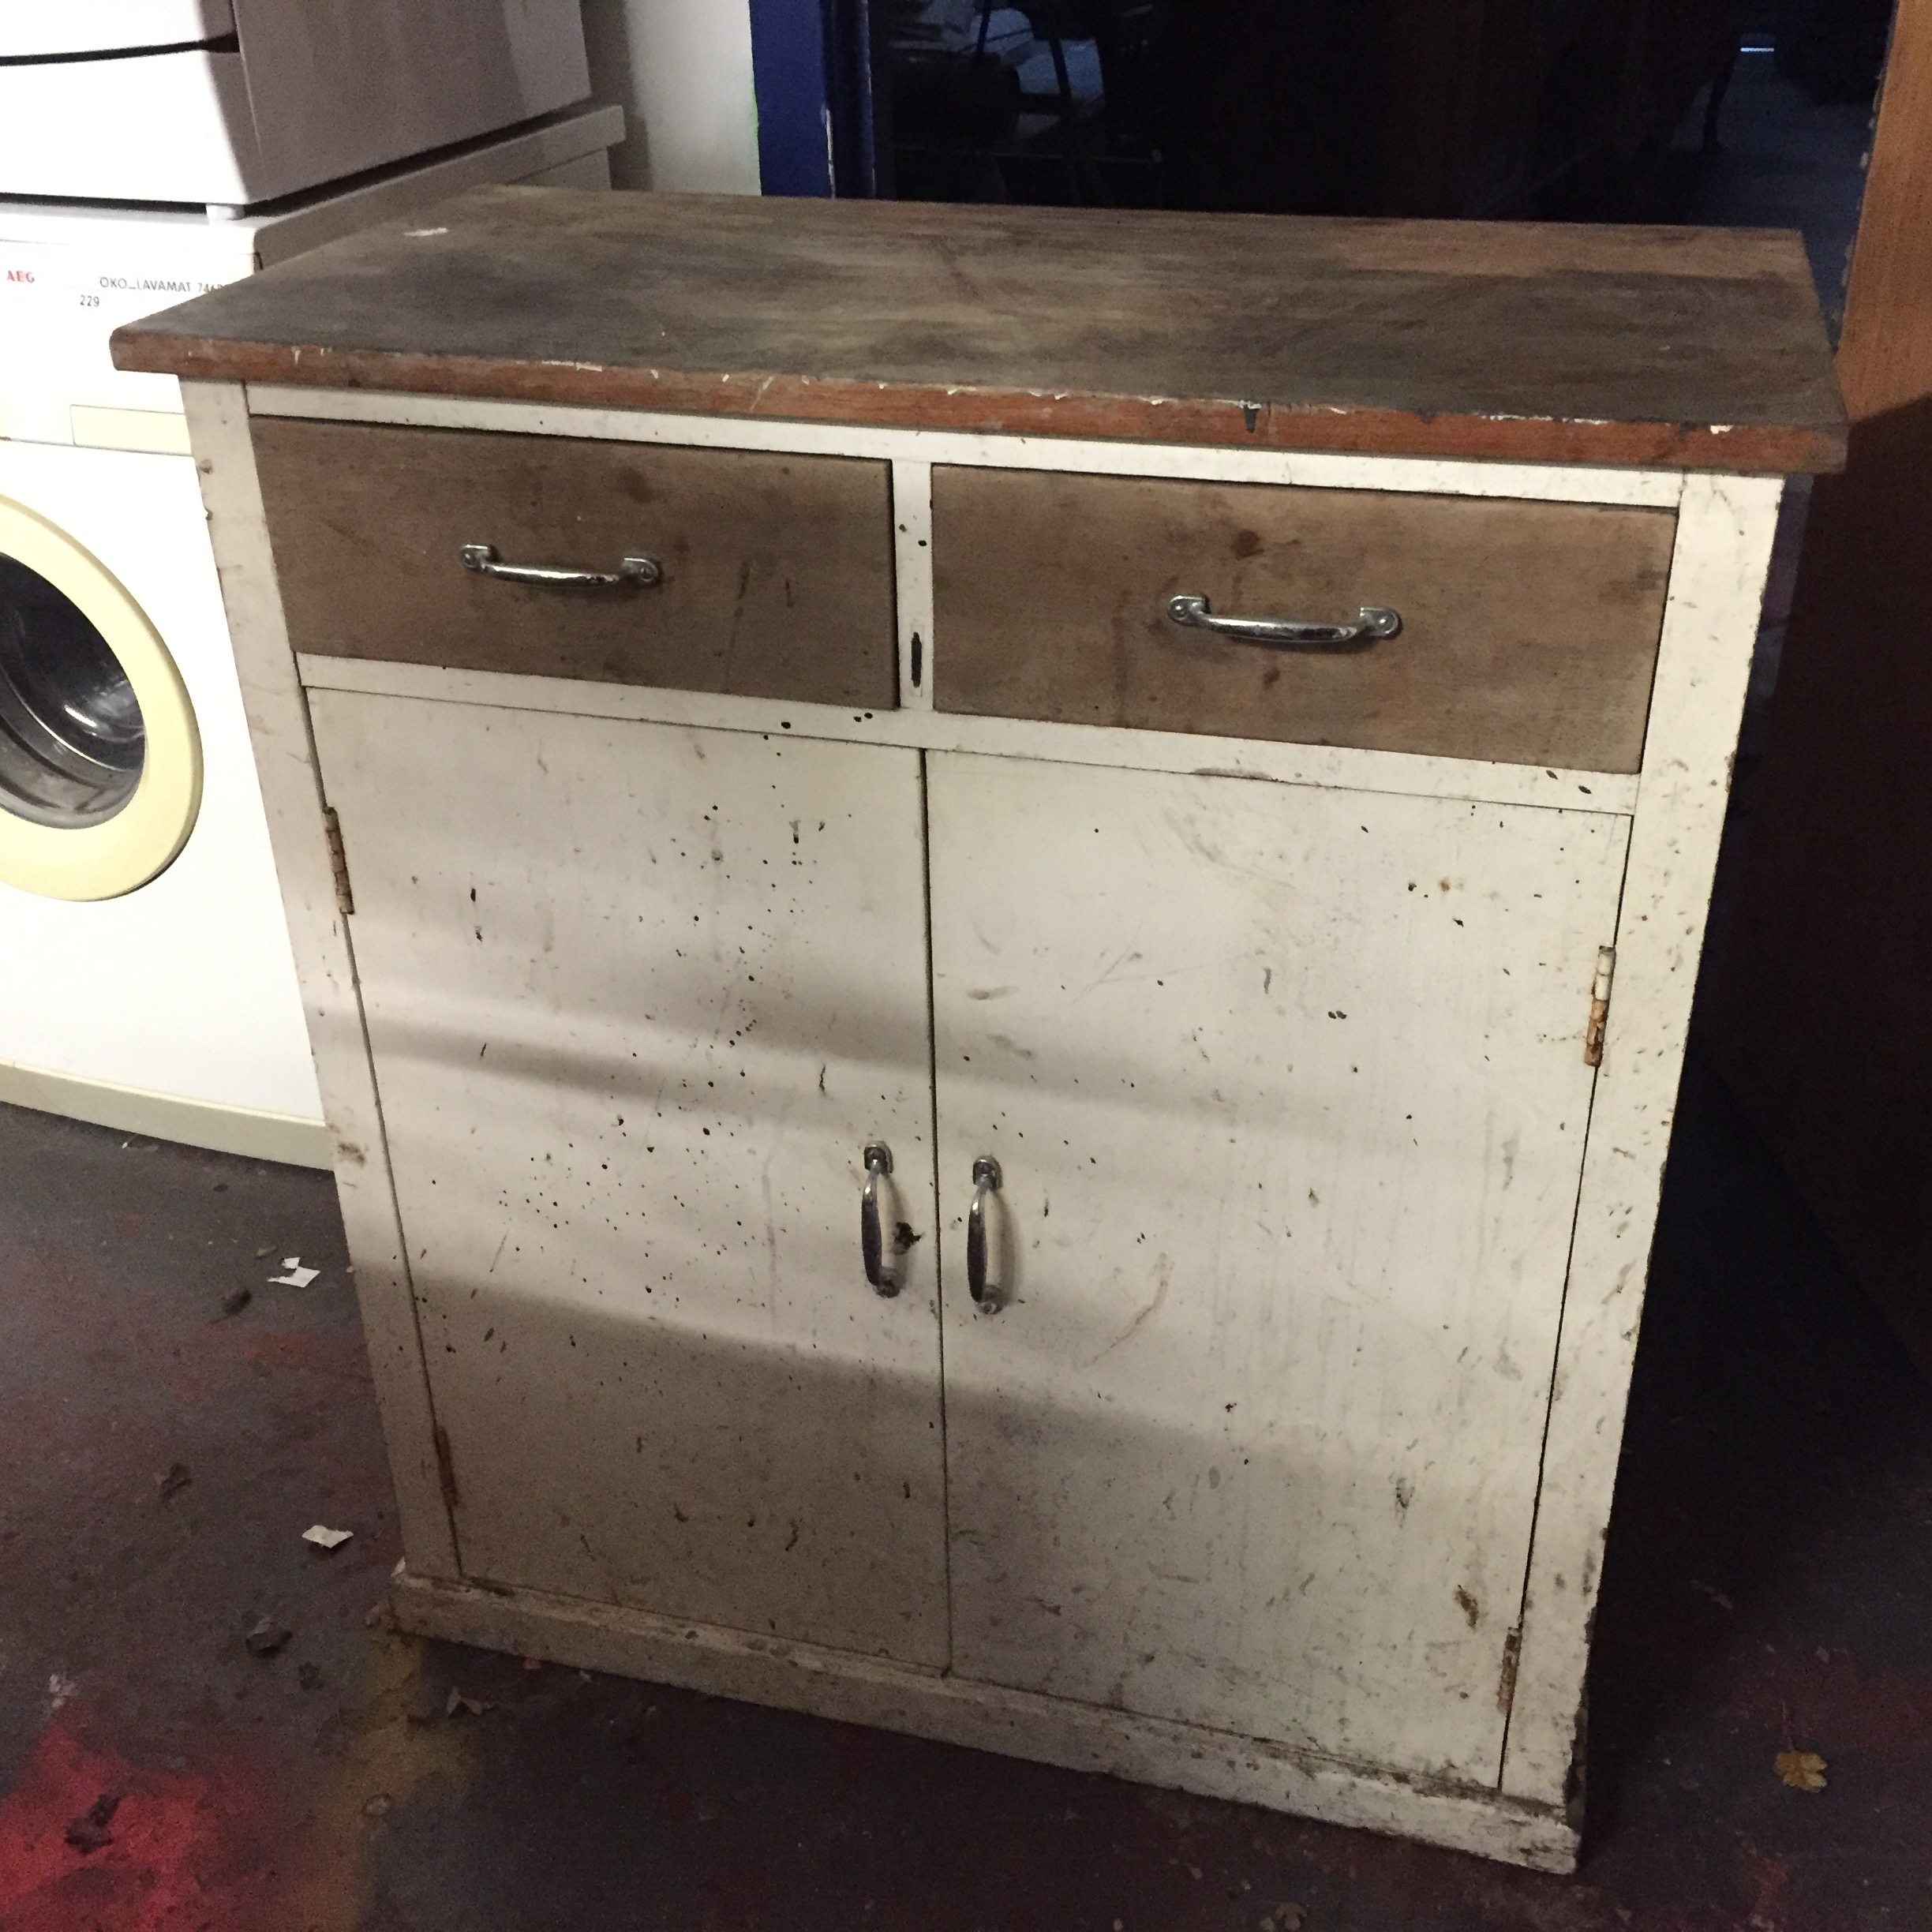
[483, 560]
[983, 1243]
[1371, 621]
[881, 1270]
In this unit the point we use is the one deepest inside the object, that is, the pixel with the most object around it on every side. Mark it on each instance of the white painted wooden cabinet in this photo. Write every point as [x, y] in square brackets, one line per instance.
[1271, 1039]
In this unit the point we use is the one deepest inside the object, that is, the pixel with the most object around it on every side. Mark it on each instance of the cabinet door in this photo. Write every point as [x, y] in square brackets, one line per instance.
[1289, 1093]
[637, 997]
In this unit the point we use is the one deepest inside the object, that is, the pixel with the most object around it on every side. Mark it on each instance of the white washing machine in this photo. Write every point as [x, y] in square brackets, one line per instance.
[146, 982]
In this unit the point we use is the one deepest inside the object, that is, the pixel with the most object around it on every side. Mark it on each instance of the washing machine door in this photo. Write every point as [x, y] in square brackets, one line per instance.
[100, 761]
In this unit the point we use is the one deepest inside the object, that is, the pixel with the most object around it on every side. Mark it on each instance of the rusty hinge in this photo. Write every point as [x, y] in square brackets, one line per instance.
[1506, 1684]
[339, 860]
[1600, 1007]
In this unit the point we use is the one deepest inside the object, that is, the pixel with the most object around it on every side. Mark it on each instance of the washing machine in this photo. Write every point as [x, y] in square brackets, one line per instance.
[146, 981]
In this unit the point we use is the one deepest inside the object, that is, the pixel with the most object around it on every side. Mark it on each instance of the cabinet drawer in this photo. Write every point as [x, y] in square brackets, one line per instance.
[777, 570]
[1528, 630]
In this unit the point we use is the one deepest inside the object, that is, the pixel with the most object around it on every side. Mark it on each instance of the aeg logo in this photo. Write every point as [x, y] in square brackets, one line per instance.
[20, 275]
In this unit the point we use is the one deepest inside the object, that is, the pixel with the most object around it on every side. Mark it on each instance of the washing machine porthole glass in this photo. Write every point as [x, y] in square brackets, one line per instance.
[72, 741]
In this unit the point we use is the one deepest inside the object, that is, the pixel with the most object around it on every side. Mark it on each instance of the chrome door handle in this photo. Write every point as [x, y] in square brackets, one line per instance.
[881, 1270]
[1372, 622]
[483, 560]
[983, 1243]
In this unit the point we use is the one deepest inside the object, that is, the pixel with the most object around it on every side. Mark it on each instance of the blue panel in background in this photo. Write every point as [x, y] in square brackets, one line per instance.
[812, 61]
[794, 107]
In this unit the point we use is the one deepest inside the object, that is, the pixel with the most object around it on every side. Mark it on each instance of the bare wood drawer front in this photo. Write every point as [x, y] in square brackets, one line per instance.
[1528, 630]
[777, 570]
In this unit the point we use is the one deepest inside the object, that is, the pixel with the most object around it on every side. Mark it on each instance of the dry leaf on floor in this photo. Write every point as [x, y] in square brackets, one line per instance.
[1801, 1770]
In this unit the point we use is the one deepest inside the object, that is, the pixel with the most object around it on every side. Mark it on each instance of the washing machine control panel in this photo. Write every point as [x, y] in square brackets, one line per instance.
[58, 305]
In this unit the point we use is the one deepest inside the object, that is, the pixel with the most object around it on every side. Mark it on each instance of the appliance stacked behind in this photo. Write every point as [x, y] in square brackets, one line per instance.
[145, 979]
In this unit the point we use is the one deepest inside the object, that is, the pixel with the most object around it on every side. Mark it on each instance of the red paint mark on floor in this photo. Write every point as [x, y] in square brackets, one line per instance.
[188, 1852]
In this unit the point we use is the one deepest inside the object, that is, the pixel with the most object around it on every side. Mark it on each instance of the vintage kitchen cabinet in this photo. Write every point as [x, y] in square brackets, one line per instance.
[998, 908]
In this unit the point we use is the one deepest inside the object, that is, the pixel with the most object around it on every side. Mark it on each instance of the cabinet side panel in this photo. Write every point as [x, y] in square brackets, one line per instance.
[640, 998]
[291, 793]
[1710, 625]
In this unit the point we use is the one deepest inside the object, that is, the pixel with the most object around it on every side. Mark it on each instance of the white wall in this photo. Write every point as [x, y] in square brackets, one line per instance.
[682, 69]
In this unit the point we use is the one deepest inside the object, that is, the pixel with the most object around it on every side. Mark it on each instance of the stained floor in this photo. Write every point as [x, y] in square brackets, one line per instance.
[1766, 1588]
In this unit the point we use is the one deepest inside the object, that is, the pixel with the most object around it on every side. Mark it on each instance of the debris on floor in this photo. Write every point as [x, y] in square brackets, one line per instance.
[324, 1538]
[268, 1638]
[1802, 1770]
[89, 1832]
[176, 1479]
[234, 1303]
[294, 1274]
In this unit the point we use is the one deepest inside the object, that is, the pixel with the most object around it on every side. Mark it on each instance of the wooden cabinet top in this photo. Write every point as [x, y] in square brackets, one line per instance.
[1661, 347]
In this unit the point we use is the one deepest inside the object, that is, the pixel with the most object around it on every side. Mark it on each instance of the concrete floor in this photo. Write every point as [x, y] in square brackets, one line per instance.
[1767, 1583]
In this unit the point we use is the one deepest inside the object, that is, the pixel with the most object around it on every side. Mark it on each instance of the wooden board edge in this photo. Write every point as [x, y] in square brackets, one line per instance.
[1710, 628]
[852, 1688]
[1796, 448]
[285, 761]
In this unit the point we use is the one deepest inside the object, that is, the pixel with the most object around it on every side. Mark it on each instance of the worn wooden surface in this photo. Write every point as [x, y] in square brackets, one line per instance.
[777, 570]
[1669, 347]
[639, 997]
[1821, 1007]
[1289, 1091]
[1528, 632]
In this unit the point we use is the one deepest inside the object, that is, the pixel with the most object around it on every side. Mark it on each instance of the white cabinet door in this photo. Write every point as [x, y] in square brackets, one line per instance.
[1289, 1092]
[639, 997]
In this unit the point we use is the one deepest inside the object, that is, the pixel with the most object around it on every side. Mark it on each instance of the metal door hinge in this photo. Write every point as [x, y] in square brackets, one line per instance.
[1506, 1684]
[1600, 1007]
[339, 861]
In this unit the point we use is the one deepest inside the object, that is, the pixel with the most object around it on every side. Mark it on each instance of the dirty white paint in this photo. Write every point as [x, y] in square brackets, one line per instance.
[1337, 767]
[1240, 1493]
[637, 998]
[912, 563]
[867, 1690]
[1289, 1093]
[285, 759]
[1711, 626]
